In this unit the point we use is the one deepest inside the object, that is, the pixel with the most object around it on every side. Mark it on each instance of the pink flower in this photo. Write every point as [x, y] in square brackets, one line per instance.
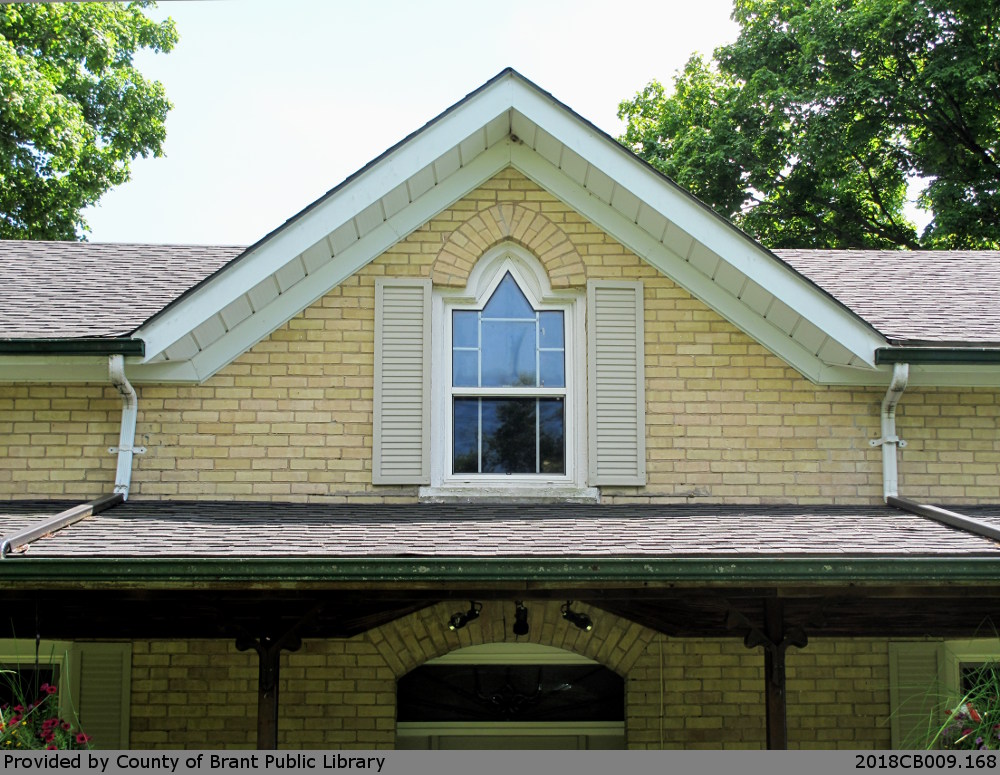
[82, 739]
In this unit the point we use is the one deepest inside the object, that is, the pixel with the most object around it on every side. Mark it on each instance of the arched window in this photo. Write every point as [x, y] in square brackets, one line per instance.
[510, 392]
[508, 386]
[510, 696]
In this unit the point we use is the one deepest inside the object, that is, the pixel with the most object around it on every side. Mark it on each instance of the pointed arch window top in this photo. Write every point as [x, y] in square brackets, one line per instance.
[508, 343]
[508, 302]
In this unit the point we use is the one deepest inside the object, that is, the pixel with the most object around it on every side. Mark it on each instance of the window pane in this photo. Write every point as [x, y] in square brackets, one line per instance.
[509, 436]
[508, 354]
[465, 368]
[465, 325]
[519, 436]
[507, 301]
[551, 365]
[511, 693]
[20, 685]
[552, 436]
[550, 329]
[466, 433]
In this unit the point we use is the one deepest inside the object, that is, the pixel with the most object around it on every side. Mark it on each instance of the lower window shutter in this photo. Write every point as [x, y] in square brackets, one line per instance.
[916, 693]
[615, 385]
[101, 681]
[401, 447]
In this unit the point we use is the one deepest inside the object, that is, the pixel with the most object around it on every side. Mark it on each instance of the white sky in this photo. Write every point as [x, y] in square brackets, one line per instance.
[277, 102]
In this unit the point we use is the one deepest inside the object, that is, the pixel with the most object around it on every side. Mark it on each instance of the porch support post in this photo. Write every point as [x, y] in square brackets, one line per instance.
[268, 650]
[774, 675]
[775, 640]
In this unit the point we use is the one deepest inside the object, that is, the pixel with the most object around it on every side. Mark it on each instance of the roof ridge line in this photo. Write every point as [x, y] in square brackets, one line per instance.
[20, 540]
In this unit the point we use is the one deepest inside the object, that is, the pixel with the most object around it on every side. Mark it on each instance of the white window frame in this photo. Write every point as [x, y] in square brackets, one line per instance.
[21, 652]
[965, 652]
[530, 276]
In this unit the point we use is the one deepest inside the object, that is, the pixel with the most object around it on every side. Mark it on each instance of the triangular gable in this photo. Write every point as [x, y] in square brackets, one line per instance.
[507, 122]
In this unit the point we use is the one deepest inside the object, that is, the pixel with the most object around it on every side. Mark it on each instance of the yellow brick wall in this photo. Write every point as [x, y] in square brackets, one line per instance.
[292, 418]
[679, 692]
[838, 694]
[696, 694]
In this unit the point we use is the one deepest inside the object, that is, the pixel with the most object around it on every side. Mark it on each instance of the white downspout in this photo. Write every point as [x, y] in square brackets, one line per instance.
[890, 441]
[126, 438]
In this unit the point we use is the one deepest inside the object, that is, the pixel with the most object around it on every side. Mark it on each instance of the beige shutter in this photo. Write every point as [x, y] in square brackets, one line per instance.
[101, 680]
[401, 449]
[615, 387]
[916, 693]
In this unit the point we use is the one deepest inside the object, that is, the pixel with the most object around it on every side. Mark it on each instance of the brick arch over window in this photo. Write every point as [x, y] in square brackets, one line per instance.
[407, 643]
[509, 222]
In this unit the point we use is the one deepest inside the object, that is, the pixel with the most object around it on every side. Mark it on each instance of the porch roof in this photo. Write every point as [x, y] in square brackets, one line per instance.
[146, 529]
[298, 540]
[207, 569]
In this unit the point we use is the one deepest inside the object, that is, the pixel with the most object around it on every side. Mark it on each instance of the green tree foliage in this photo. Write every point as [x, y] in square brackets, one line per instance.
[806, 129]
[74, 111]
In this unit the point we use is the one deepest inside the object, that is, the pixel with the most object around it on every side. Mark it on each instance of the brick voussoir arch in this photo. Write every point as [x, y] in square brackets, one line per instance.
[508, 223]
[407, 643]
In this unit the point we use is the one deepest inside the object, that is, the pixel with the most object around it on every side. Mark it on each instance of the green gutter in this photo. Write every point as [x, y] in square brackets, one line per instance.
[945, 355]
[396, 571]
[82, 346]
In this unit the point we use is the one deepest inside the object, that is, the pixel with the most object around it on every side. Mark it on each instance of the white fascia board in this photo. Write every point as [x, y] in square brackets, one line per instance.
[639, 241]
[89, 368]
[56, 368]
[290, 303]
[701, 223]
[921, 375]
[952, 375]
[291, 240]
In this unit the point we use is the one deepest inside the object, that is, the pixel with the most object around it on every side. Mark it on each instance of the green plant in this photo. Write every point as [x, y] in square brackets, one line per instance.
[974, 723]
[37, 724]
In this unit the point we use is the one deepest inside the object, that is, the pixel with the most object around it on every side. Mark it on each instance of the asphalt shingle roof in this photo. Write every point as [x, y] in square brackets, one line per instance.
[77, 289]
[83, 289]
[160, 529]
[922, 295]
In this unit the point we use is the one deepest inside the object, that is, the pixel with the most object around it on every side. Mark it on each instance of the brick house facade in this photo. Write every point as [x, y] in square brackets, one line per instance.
[758, 405]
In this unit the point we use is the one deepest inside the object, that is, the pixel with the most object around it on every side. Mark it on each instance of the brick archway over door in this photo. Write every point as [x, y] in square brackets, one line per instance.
[407, 643]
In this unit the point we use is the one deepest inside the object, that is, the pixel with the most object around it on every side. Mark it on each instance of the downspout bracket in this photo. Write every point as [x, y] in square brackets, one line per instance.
[133, 450]
[890, 440]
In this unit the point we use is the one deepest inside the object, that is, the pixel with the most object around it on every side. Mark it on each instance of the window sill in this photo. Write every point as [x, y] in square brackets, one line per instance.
[525, 493]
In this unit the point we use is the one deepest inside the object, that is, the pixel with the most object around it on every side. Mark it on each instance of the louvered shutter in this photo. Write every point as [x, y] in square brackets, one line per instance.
[401, 449]
[916, 693]
[101, 678]
[615, 386]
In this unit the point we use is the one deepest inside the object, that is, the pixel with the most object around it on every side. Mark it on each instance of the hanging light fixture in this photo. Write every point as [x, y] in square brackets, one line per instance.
[458, 619]
[520, 618]
[581, 620]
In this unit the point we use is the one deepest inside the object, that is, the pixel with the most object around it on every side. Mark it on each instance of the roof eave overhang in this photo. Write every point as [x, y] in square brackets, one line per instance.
[539, 572]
